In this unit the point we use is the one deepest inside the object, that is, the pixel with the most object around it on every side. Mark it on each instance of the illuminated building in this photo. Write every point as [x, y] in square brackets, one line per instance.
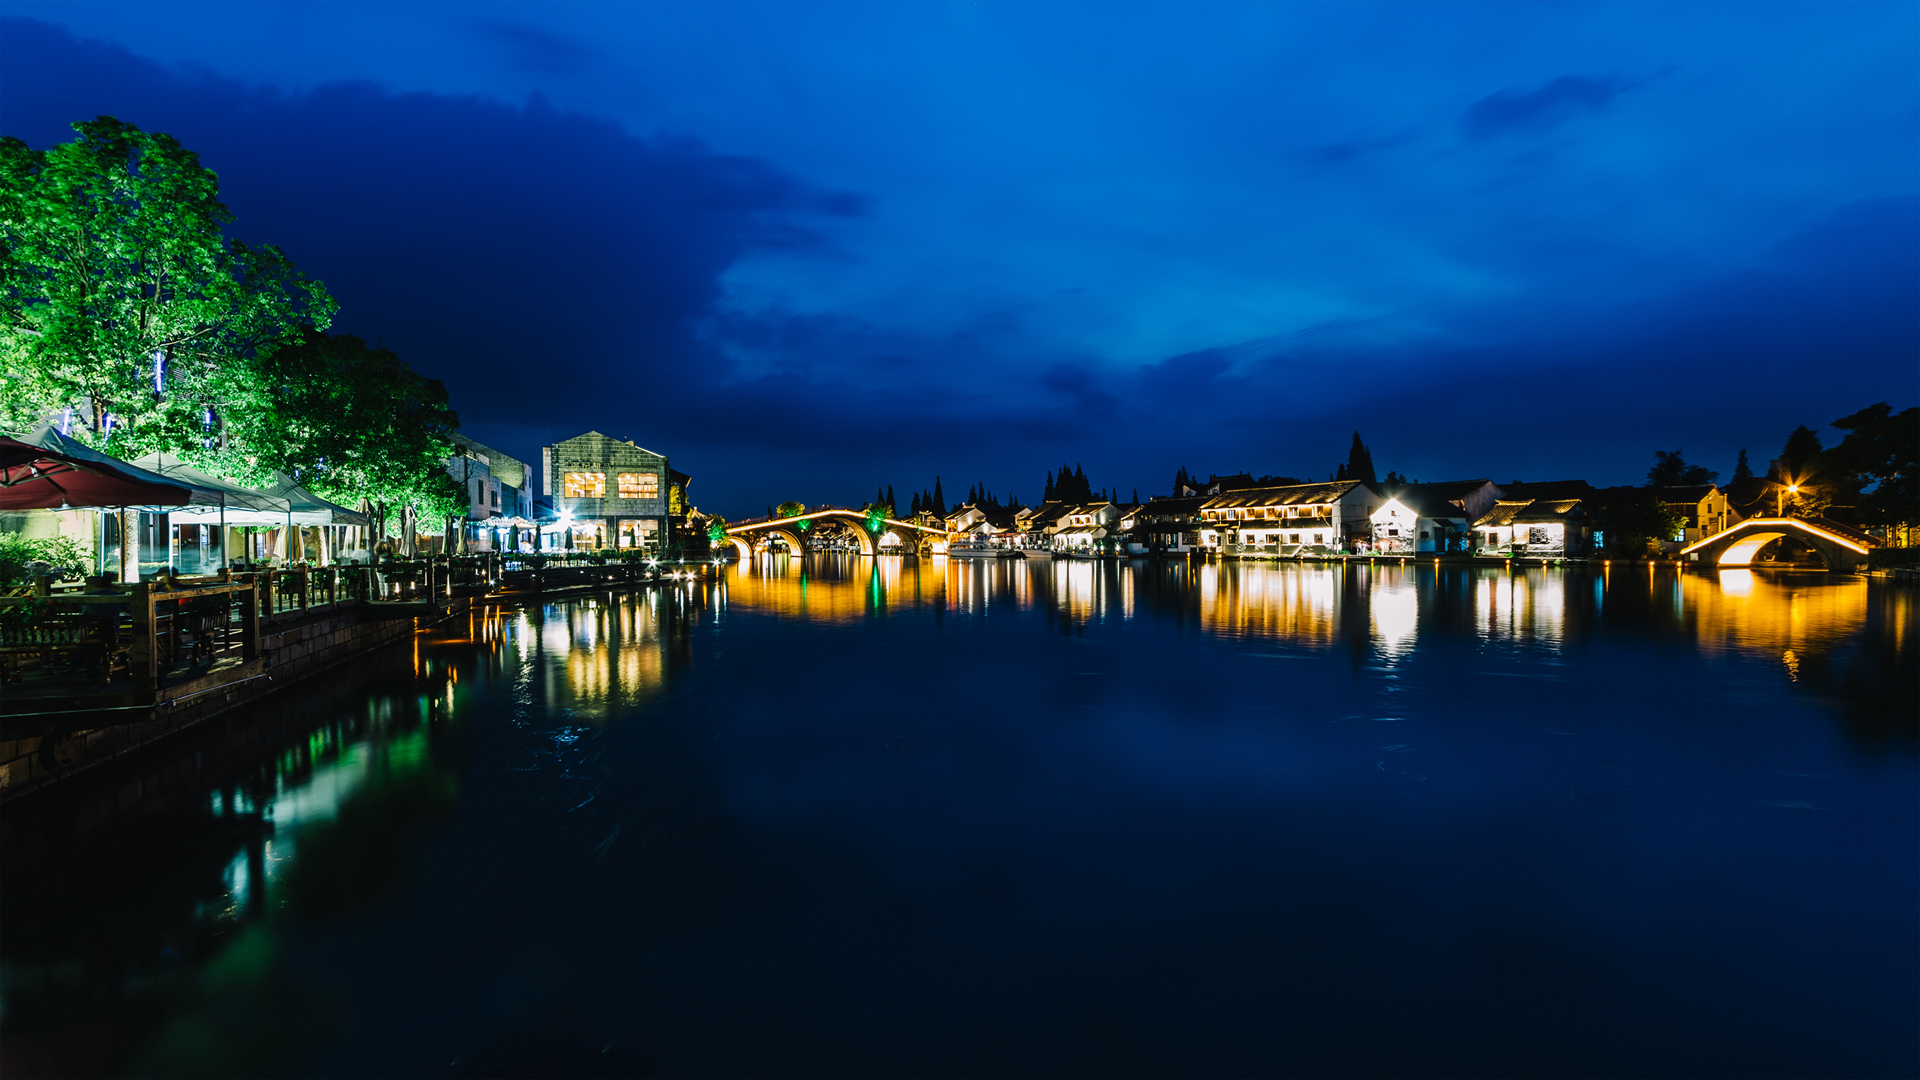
[608, 492]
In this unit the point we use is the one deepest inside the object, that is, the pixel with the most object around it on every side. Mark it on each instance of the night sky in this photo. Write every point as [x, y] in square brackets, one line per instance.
[807, 249]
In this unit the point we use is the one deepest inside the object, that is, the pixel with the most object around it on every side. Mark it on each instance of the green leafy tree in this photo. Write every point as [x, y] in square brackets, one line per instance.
[716, 530]
[349, 422]
[790, 509]
[120, 296]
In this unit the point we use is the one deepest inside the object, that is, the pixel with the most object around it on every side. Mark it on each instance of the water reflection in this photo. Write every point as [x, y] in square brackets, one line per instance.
[597, 654]
[154, 913]
[145, 905]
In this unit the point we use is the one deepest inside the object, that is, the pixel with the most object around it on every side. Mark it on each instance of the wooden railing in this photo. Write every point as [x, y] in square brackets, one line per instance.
[143, 631]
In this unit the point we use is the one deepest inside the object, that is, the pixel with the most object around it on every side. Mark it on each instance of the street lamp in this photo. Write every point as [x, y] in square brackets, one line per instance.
[1780, 500]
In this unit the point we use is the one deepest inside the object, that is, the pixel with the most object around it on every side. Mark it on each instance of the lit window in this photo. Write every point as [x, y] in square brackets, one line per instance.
[585, 485]
[639, 485]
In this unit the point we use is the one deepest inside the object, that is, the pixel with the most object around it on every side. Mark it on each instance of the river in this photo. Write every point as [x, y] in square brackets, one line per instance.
[849, 817]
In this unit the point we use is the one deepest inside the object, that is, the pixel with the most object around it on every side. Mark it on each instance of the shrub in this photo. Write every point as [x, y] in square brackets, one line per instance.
[60, 552]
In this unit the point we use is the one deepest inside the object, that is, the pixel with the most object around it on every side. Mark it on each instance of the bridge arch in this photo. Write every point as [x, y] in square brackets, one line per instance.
[741, 547]
[791, 536]
[909, 537]
[1841, 547]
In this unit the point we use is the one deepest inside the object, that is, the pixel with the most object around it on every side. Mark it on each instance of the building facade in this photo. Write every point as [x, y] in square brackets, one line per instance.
[609, 493]
[499, 491]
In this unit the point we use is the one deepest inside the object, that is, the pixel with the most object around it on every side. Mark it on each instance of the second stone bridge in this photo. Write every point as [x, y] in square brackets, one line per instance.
[871, 533]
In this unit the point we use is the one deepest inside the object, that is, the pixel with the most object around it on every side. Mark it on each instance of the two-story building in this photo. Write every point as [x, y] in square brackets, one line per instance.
[1169, 525]
[1327, 516]
[610, 493]
[499, 491]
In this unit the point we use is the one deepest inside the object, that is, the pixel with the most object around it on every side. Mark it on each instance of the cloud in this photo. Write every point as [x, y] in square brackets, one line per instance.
[536, 51]
[1345, 150]
[1547, 105]
[561, 273]
[552, 268]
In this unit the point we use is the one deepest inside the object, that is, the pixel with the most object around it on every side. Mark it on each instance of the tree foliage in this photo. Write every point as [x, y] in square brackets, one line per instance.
[348, 421]
[789, 509]
[126, 308]
[1742, 472]
[121, 297]
[1878, 463]
[1670, 469]
[1803, 445]
[1359, 463]
[1634, 525]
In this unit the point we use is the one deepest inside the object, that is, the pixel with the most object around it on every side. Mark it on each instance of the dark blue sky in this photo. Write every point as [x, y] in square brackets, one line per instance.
[807, 249]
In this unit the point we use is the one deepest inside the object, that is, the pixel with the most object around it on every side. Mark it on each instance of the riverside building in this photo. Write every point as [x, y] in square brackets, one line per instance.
[610, 493]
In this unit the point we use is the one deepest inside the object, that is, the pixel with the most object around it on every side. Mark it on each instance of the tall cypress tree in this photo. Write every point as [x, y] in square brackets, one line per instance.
[939, 499]
[914, 509]
[1741, 470]
[1359, 461]
[889, 501]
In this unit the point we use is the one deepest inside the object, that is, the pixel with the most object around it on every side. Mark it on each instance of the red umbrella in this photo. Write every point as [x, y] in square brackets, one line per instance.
[46, 470]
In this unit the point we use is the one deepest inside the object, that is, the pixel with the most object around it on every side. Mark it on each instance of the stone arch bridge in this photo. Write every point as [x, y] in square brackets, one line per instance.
[1842, 547]
[872, 534]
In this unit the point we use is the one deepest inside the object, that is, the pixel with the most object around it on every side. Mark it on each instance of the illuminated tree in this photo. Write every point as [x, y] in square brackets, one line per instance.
[789, 509]
[347, 421]
[122, 300]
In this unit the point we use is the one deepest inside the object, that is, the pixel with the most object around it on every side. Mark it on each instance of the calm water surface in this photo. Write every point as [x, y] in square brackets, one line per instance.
[839, 818]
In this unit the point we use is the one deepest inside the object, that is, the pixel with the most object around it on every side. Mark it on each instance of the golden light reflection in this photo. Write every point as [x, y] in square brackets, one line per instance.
[1529, 606]
[598, 654]
[1780, 615]
[1297, 602]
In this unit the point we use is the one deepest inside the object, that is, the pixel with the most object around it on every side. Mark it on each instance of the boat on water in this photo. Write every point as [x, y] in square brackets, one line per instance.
[975, 549]
[1036, 553]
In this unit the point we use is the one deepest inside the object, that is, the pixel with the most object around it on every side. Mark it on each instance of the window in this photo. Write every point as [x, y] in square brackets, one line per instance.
[639, 485]
[585, 485]
[638, 533]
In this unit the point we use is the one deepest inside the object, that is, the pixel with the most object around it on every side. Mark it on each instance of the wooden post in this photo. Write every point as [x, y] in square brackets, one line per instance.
[145, 648]
[250, 617]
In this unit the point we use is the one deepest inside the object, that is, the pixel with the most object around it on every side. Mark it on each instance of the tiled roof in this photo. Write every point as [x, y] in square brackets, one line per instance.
[1546, 489]
[1542, 510]
[1291, 495]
